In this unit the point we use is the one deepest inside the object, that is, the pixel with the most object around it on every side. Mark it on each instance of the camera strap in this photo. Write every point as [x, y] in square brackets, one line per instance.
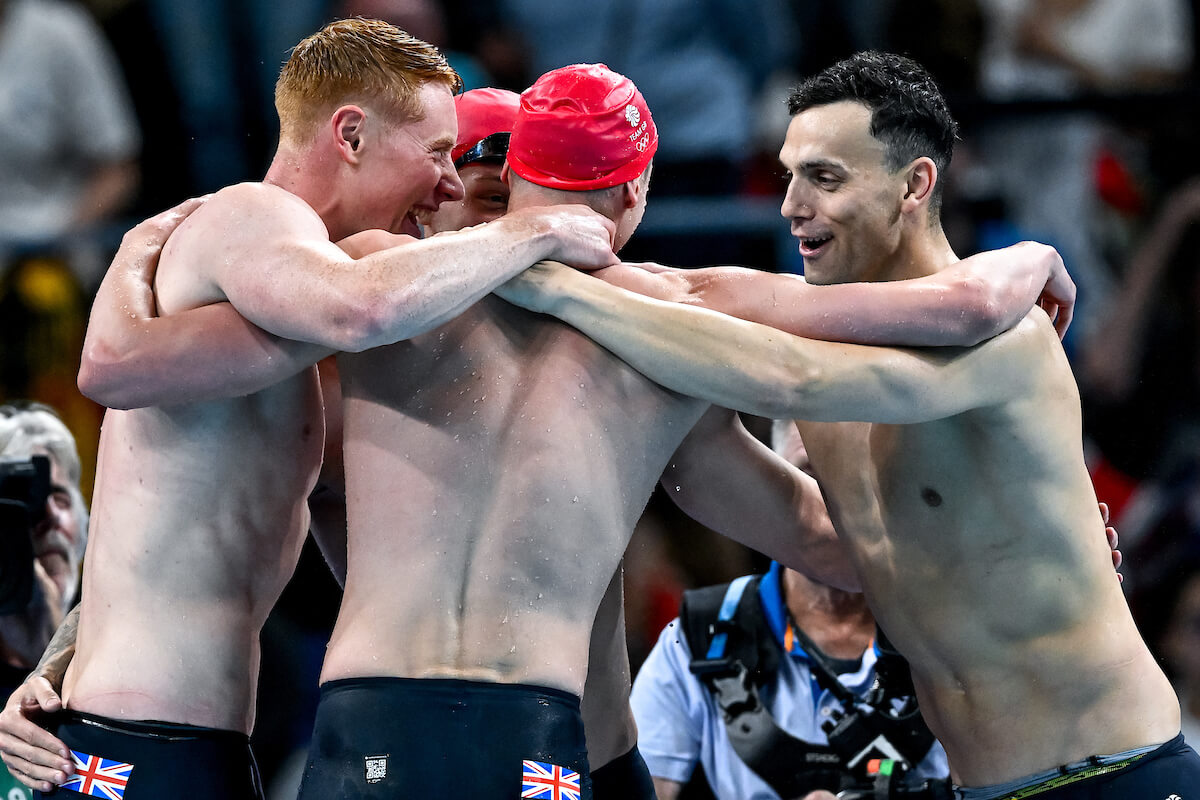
[740, 655]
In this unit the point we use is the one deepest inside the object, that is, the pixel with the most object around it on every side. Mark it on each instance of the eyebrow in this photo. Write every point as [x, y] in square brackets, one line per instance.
[817, 163]
[444, 143]
[820, 163]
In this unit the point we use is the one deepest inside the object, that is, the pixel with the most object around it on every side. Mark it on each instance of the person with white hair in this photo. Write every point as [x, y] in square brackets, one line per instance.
[57, 530]
[31, 429]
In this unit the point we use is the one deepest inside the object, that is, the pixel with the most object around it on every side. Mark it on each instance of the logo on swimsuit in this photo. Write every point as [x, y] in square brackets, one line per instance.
[375, 767]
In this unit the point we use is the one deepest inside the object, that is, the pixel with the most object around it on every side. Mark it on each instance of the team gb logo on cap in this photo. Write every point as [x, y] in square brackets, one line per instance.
[633, 115]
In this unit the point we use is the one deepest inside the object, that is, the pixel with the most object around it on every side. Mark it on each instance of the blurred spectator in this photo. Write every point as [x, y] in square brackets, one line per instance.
[1044, 166]
[944, 36]
[809, 656]
[426, 20]
[224, 57]
[1140, 374]
[1180, 648]
[57, 530]
[1165, 588]
[700, 66]
[51, 530]
[68, 137]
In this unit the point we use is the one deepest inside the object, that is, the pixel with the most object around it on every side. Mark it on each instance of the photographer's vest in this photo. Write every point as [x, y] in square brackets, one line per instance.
[735, 653]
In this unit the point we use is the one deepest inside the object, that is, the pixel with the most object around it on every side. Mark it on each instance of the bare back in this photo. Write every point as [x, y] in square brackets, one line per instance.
[981, 551]
[495, 469]
[197, 521]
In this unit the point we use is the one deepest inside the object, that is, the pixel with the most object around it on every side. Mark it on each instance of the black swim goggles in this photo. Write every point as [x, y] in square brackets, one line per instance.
[489, 147]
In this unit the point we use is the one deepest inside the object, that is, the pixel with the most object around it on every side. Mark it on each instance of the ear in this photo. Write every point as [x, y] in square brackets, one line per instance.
[631, 192]
[920, 178]
[504, 173]
[348, 124]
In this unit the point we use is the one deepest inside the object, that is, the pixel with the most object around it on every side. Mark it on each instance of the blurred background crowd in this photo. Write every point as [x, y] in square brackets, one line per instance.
[1079, 130]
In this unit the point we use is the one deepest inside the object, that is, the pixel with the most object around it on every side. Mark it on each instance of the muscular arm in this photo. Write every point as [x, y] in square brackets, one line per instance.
[754, 368]
[208, 352]
[282, 273]
[277, 268]
[31, 754]
[974, 300]
[724, 478]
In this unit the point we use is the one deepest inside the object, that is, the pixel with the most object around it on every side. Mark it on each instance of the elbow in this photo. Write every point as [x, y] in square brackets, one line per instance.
[982, 314]
[99, 378]
[361, 325]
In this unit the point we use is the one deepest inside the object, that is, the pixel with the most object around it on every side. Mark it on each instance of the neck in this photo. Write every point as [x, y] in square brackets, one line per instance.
[921, 254]
[838, 622]
[310, 177]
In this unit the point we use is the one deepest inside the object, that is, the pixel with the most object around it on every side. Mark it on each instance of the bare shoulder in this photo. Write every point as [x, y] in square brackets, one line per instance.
[247, 223]
[1031, 341]
[1027, 363]
[259, 203]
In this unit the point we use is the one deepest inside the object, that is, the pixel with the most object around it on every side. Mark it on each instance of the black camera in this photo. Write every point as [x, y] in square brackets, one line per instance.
[889, 780]
[876, 743]
[24, 487]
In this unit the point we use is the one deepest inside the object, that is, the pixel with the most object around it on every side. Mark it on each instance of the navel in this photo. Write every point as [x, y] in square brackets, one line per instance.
[931, 497]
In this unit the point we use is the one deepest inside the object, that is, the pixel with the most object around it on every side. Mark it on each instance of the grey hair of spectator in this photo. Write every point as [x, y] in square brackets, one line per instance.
[28, 427]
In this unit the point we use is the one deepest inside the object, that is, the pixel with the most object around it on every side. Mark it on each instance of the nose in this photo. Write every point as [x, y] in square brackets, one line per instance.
[794, 203]
[450, 187]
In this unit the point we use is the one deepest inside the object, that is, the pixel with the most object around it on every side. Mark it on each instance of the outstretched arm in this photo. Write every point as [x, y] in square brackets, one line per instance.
[962, 305]
[35, 757]
[764, 371]
[207, 352]
[280, 271]
[725, 479]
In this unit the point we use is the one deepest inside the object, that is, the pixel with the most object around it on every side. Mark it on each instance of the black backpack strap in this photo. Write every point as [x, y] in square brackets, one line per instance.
[734, 653]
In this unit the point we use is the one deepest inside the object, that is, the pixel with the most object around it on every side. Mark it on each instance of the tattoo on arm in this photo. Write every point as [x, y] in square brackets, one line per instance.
[60, 651]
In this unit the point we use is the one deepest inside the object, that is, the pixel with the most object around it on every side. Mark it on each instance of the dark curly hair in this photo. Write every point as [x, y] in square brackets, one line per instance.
[908, 112]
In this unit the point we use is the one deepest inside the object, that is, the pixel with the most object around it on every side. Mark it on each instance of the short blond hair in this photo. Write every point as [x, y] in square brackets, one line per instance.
[365, 61]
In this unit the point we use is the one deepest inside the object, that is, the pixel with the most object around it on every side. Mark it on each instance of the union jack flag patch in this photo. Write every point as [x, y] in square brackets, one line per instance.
[98, 777]
[542, 781]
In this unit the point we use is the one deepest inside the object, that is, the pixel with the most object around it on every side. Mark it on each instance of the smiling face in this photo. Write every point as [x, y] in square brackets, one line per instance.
[411, 172]
[843, 203]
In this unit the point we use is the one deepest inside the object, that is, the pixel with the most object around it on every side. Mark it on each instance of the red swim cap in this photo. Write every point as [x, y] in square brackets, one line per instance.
[582, 127]
[483, 113]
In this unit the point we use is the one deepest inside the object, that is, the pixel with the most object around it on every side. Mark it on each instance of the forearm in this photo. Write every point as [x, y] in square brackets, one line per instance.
[700, 353]
[60, 651]
[758, 369]
[401, 292]
[960, 306]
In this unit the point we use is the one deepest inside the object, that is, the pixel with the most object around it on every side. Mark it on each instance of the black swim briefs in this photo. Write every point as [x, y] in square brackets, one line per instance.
[154, 760]
[1169, 772]
[387, 738]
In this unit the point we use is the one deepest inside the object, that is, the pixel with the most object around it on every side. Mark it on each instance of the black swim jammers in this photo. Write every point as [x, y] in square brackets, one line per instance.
[387, 738]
